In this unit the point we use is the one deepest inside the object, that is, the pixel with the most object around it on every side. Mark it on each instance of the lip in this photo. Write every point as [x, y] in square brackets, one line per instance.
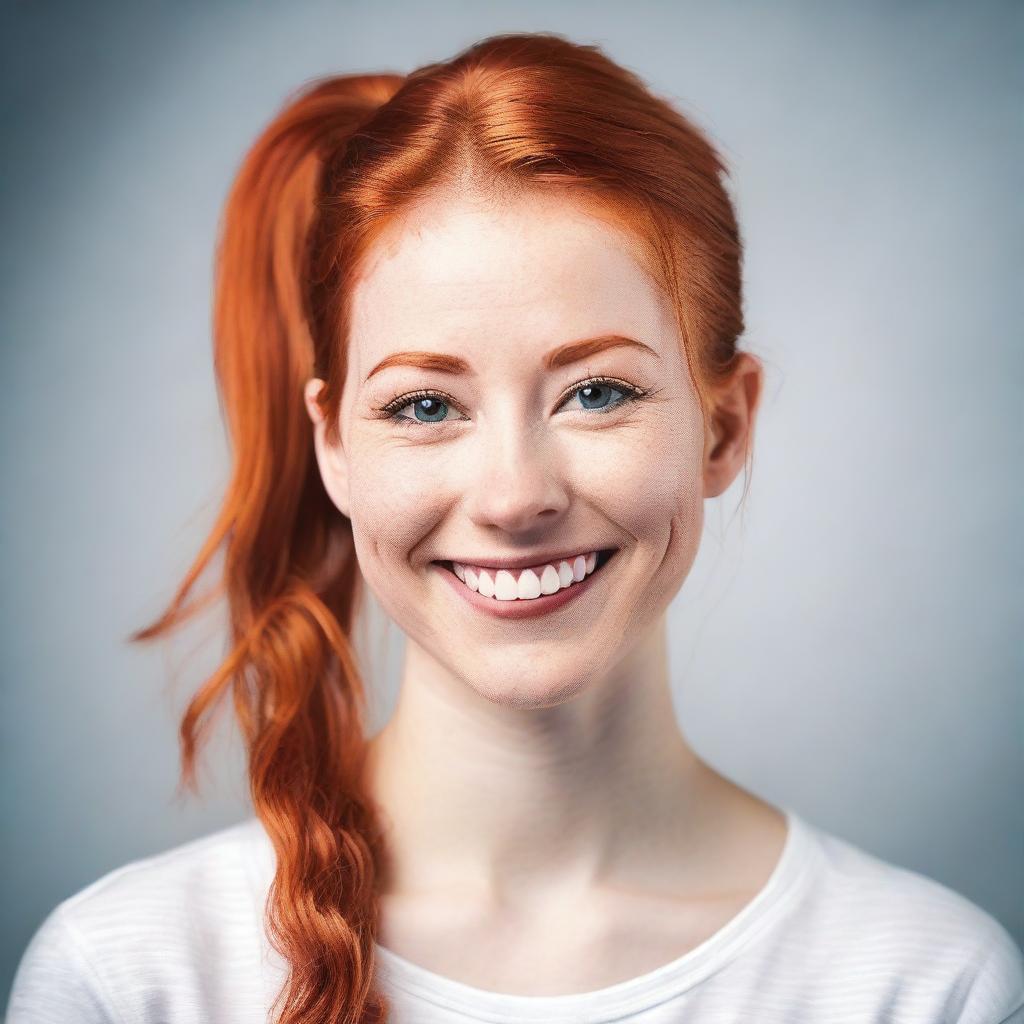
[521, 609]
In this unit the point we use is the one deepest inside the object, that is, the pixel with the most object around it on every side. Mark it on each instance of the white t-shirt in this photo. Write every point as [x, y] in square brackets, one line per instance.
[835, 935]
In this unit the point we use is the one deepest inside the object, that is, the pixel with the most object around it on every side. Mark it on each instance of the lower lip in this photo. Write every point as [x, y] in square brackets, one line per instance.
[520, 609]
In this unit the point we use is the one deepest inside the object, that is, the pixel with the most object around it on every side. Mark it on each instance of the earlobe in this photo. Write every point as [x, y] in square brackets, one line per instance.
[331, 459]
[732, 426]
[723, 454]
[716, 449]
[309, 396]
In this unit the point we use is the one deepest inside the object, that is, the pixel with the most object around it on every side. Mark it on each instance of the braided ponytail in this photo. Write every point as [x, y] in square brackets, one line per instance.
[290, 573]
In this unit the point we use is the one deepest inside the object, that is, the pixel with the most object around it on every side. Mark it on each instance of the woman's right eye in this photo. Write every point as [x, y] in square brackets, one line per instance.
[426, 406]
[427, 410]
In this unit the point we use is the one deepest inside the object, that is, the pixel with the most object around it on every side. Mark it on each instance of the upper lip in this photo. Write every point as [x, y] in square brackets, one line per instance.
[525, 561]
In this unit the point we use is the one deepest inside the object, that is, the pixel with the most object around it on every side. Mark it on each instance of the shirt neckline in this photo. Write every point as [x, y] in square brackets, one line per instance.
[775, 898]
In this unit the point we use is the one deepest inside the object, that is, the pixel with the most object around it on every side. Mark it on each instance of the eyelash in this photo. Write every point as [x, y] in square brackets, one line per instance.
[629, 394]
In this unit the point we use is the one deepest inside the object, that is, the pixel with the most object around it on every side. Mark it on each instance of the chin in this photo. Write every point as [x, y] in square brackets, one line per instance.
[555, 681]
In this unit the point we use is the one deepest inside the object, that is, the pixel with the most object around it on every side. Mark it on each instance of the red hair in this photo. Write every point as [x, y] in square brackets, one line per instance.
[336, 165]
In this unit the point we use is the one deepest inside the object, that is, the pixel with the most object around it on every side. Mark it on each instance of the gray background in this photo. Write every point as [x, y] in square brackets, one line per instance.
[848, 645]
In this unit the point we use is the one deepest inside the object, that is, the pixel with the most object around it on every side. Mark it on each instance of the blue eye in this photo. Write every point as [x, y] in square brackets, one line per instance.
[427, 407]
[429, 410]
[597, 395]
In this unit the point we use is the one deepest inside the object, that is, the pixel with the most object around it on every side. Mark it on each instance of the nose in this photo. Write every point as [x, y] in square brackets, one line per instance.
[519, 481]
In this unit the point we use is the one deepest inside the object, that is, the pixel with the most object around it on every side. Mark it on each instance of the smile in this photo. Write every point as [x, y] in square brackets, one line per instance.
[531, 590]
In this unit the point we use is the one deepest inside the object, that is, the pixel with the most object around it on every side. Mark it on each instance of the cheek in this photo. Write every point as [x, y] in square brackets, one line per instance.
[393, 504]
[650, 476]
[654, 492]
[655, 486]
[389, 496]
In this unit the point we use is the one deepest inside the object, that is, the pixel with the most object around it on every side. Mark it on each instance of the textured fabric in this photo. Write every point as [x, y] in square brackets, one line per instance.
[836, 936]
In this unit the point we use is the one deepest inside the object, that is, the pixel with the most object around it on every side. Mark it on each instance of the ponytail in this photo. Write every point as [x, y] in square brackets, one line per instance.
[290, 574]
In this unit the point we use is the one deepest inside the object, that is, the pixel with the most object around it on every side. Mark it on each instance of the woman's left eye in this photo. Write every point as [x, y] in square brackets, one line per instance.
[601, 395]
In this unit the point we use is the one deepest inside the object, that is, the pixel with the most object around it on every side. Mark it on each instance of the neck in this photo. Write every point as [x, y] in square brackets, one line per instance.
[512, 804]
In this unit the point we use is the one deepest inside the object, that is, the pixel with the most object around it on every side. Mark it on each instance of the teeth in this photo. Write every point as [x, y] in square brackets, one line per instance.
[505, 588]
[549, 581]
[485, 585]
[531, 583]
[529, 586]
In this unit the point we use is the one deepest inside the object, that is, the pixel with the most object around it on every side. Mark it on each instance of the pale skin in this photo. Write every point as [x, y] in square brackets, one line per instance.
[551, 830]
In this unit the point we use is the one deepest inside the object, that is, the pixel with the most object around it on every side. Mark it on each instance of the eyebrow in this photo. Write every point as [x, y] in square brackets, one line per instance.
[571, 352]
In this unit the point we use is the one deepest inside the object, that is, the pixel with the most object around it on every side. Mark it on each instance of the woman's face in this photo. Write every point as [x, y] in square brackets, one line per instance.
[473, 431]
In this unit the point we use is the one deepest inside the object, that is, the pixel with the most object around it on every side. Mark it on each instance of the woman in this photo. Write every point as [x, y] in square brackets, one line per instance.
[476, 334]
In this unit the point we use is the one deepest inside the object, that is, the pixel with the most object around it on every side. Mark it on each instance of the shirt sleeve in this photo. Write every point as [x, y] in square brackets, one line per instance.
[55, 983]
[996, 992]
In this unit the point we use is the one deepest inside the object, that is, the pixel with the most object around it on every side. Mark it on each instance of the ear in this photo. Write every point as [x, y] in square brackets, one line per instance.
[732, 424]
[331, 459]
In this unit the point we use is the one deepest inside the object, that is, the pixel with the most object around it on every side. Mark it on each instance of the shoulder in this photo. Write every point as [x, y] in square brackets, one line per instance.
[139, 932]
[926, 944]
[188, 894]
[195, 880]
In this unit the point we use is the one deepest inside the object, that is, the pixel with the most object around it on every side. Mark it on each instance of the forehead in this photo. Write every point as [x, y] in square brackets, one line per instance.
[467, 275]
